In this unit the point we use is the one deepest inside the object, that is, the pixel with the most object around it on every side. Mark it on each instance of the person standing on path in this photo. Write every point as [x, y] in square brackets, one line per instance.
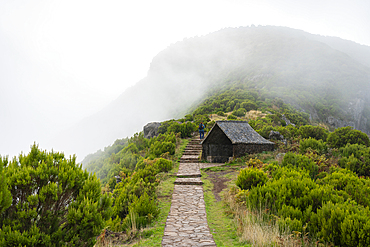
[201, 130]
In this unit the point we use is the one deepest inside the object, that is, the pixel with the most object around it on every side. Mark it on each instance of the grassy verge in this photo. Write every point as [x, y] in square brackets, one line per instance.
[221, 225]
[153, 236]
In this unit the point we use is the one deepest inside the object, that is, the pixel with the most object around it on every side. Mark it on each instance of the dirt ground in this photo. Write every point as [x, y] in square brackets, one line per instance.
[219, 182]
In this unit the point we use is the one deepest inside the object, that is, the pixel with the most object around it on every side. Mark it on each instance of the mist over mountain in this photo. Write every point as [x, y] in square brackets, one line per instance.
[327, 77]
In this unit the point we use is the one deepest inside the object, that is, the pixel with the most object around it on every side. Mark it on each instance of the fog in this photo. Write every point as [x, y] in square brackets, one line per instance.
[64, 63]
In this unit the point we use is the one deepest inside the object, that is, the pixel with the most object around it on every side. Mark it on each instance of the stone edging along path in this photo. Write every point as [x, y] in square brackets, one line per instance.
[186, 223]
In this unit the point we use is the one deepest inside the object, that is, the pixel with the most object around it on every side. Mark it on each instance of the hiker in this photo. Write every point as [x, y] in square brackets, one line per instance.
[201, 130]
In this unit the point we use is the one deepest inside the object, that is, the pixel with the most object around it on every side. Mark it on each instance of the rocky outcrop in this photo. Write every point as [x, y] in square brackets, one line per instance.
[151, 130]
[287, 121]
[357, 118]
[275, 135]
[338, 123]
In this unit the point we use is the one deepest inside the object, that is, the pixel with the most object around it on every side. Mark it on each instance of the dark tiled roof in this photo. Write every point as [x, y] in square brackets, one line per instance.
[241, 132]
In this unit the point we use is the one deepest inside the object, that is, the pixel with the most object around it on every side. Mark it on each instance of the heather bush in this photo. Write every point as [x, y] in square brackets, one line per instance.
[355, 157]
[5, 196]
[347, 181]
[162, 165]
[142, 211]
[302, 162]
[251, 177]
[288, 132]
[318, 145]
[54, 202]
[186, 129]
[341, 136]
[316, 132]
[344, 224]
[265, 131]
[240, 112]
[231, 117]
[332, 209]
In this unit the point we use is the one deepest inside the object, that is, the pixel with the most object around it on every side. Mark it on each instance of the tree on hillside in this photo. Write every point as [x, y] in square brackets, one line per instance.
[5, 196]
[54, 202]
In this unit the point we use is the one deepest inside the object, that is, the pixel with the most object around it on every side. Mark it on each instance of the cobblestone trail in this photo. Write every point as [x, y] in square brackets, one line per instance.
[187, 221]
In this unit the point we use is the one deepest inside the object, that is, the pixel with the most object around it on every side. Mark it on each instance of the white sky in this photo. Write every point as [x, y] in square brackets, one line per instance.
[61, 61]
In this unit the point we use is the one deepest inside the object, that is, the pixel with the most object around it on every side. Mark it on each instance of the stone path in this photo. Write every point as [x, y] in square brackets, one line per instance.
[187, 221]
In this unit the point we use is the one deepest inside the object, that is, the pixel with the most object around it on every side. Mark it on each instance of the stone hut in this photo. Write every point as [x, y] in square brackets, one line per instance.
[232, 139]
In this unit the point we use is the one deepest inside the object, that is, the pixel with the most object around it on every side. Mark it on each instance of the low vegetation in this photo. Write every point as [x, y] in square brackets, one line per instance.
[312, 190]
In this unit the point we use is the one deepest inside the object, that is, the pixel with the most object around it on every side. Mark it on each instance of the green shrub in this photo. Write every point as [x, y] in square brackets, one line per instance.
[317, 145]
[265, 131]
[240, 112]
[347, 181]
[302, 162]
[231, 117]
[288, 132]
[140, 182]
[290, 190]
[5, 196]
[159, 148]
[341, 136]
[132, 148]
[221, 113]
[344, 224]
[355, 157]
[333, 209]
[204, 118]
[249, 105]
[185, 129]
[163, 165]
[54, 202]
[251, 177]
[316, 132]
[162, 144]
[142, 211]
[188, 118]
[286, 224]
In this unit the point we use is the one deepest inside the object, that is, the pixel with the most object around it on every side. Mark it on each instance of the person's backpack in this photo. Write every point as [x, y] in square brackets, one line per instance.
[201, 126]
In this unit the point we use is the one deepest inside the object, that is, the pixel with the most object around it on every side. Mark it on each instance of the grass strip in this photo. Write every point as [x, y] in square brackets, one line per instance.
[220, 224]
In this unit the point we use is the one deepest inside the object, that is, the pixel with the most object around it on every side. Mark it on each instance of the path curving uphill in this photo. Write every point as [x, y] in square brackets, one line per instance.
[187, 221]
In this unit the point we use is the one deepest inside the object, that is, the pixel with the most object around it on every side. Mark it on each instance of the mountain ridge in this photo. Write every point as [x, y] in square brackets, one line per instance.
[283, 62]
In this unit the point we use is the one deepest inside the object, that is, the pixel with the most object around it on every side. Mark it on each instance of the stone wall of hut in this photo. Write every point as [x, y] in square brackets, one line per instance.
[242, 149]
[217, 148]
[217, 153]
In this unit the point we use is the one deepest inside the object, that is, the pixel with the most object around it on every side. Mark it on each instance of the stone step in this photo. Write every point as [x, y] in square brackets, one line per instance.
[187, 175]
[190, 157]
[189, 181]
[195, 140]
[191, 152]
[187, 157]
[190, 169]
[198, 151]
[194, 143]
[188, 161]
[193, 148]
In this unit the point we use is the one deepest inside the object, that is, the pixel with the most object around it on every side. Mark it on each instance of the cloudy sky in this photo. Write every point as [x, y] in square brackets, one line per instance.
[63, 60]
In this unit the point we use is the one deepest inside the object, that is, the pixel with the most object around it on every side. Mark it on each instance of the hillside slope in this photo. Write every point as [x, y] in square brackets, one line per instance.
[323, 76]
